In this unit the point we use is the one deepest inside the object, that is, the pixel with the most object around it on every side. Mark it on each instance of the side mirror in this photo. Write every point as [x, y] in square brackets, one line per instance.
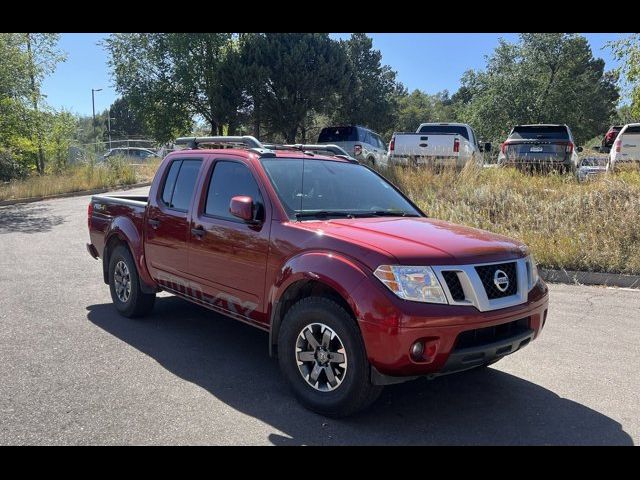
[579, 149]
[242, 207]
[487, 147]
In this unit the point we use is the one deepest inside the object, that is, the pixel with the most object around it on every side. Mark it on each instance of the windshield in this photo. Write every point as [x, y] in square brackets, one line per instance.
[333, 189]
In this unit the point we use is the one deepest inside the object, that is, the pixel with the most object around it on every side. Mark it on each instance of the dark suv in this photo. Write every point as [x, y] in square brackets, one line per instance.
[540, 146]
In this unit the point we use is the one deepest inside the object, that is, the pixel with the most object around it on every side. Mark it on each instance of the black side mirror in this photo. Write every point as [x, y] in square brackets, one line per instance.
[487, 147]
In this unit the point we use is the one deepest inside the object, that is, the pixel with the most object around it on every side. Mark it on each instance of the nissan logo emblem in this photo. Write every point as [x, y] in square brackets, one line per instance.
[501, 280]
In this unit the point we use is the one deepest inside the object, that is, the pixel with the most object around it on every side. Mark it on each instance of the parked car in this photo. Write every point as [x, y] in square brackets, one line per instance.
[363, 144]
[540, 146]
[440, 144]
[356, 286]
[610, 137]
[626, 148]
[131, 153]
[590, 168]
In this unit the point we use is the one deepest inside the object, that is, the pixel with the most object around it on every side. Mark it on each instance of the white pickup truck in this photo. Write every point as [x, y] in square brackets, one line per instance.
[626, 148]
[441, 144]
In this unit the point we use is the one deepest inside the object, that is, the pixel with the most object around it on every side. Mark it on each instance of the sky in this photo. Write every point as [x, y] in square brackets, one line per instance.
[431, 62]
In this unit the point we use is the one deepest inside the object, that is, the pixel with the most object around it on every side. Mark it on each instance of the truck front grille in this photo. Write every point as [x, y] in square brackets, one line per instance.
[455, 287]
[487, 276]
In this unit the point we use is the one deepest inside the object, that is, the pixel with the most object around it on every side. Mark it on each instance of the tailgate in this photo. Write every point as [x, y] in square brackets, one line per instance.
[630, 146]
[554, 150]
[425, 145]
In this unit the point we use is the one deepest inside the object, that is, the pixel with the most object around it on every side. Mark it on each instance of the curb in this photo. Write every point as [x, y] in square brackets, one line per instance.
[73, 194]
[590, 278]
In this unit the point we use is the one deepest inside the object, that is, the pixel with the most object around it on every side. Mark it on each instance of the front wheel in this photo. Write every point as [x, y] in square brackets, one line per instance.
[322, 356]
[124, 284]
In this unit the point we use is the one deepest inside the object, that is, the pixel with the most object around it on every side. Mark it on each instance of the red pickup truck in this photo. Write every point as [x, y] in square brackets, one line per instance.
[355, 285]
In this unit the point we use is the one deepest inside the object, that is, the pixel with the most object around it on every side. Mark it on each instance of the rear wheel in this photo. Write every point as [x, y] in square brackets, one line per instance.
[124, 284]
[322, 356]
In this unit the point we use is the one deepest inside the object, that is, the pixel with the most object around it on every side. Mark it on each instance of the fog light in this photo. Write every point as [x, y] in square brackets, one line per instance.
[416, 350]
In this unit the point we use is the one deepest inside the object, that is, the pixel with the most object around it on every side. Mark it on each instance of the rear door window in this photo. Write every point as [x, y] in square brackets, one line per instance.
[632, 130]
[184, 184]
[170, 182]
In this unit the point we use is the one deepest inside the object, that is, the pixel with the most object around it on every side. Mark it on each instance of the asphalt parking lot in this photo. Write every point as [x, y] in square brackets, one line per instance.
[72, 371]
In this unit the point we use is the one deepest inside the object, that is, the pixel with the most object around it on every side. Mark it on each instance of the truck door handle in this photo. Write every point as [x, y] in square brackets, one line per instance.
[198, 231]
[154, 222]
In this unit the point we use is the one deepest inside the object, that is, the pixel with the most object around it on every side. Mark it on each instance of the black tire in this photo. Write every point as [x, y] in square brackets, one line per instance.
[370, 162]
[356, 392]
[138, 303]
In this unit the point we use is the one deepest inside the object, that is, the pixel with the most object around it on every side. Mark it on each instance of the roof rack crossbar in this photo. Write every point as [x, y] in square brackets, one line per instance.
[194, 142]
[333, 149]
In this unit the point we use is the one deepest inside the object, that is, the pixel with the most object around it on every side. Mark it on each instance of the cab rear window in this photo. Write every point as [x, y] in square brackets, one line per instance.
[445, 130]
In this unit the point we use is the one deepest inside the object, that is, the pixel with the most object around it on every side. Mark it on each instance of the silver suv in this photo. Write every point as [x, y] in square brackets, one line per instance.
[364, 144]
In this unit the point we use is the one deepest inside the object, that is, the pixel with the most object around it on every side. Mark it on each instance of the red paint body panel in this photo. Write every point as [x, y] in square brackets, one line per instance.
[242, 269]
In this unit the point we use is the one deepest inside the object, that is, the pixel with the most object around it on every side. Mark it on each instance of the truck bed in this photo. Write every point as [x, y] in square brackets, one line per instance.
[115, 208]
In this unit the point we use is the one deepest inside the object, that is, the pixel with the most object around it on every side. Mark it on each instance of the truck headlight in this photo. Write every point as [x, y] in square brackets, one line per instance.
[418, 284]
[533, 271]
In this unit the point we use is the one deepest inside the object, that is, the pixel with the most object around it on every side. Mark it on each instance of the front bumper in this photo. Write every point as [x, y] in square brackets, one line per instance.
[389, 334]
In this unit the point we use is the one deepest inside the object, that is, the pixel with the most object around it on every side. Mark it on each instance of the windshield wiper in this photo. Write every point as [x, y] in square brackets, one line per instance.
[393, 213]
[324, 213]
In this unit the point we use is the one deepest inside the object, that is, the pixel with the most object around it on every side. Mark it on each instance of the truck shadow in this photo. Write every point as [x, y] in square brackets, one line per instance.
[230, 360]
[30, 218]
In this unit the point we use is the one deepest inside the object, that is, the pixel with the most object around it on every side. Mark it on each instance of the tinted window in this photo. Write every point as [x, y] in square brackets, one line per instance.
[445, 130]
[329, 186]
[633, 130]
[338, 134]
[170, 182]
[540, 131]
[230, 179]
[185, 184]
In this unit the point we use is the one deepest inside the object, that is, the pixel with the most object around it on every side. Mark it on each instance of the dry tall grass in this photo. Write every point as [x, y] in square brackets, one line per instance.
[592, 226]
[86, 176]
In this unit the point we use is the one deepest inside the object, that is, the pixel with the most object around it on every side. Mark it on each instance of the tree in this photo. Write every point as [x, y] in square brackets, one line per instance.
[125, 121]
[371, 93]
[420, 107]
[25, 60]
[544, 78]
[628, 50]
[290, 76]
[43, 55]
[168, 78]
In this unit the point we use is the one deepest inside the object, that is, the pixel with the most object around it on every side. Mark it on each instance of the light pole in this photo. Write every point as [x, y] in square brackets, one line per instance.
[93, 104]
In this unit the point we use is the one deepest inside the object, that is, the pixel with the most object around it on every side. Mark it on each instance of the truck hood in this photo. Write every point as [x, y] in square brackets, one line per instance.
[420, 241]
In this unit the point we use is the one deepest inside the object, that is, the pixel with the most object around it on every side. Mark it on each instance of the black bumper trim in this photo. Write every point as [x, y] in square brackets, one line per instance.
[474, 356]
